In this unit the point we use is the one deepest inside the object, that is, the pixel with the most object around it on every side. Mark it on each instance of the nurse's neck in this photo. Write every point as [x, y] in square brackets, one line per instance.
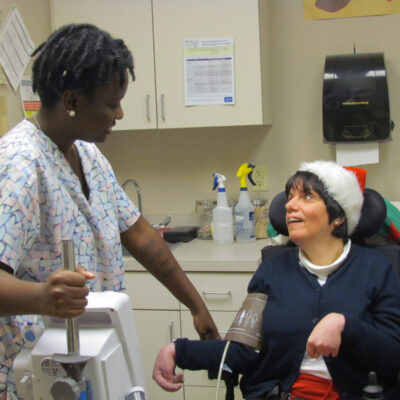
[57, 125]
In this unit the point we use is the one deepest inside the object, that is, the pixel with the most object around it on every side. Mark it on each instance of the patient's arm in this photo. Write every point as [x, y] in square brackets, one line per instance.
[326, 337]
[201, 355]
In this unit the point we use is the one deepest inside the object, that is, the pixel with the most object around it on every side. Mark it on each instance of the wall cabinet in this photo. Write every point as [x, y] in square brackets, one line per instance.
[132, 21]
[154, 30]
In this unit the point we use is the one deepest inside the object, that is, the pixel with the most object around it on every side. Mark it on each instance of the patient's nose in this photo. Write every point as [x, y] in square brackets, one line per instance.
[291, 204]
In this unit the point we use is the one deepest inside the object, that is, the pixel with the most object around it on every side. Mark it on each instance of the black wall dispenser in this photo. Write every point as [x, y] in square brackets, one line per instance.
[355, 98]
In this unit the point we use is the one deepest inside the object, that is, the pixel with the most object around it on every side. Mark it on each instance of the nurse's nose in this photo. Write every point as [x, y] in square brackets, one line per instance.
[120, 113]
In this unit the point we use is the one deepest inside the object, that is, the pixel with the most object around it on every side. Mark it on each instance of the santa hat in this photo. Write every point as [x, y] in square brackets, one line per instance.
[342, 185]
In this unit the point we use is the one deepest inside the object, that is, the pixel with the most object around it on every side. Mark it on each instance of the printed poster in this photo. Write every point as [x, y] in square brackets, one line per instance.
[327, 9]
[209, 71]
[30, 101]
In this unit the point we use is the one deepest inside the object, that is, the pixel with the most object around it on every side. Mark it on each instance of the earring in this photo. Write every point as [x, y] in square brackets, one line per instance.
[71, 113]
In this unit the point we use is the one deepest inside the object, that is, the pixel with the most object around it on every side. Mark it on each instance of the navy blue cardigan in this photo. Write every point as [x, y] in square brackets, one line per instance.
[365, 289]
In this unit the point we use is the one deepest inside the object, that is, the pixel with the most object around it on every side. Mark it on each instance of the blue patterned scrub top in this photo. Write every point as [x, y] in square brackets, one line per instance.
[41, 204]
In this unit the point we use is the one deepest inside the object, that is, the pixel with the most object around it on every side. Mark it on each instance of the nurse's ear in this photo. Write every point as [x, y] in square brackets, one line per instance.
[69, 98]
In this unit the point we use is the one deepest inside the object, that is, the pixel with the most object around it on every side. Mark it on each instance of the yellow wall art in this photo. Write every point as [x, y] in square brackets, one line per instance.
[327, 9]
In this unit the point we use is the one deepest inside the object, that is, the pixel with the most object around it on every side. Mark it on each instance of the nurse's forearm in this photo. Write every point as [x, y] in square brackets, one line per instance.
[63, 294]
[17, 296]
[147, 246]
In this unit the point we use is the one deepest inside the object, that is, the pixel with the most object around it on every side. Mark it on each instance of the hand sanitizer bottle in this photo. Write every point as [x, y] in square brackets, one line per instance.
[222, 224]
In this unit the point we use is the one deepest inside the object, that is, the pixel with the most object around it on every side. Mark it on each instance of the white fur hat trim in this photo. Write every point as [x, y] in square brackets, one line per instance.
[342, 185]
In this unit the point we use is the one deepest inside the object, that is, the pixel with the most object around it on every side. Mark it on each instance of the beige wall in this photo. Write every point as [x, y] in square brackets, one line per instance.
[173, 167]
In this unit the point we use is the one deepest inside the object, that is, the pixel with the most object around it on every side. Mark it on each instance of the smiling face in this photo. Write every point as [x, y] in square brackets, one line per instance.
[97, 112]
[307, 218]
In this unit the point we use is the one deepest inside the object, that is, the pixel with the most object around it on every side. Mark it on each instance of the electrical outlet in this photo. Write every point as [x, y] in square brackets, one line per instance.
[260, 178]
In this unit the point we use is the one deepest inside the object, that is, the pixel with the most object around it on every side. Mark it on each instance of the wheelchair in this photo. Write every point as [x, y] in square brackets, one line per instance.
[373, 215]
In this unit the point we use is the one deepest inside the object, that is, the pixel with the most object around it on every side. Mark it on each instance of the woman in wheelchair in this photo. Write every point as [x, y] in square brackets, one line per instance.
[333, 309]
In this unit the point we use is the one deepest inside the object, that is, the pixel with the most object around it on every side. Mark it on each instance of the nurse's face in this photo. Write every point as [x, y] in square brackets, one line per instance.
[97, 112]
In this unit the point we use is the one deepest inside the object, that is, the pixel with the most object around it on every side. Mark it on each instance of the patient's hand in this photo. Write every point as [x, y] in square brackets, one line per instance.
[326, 337]
[164, 369]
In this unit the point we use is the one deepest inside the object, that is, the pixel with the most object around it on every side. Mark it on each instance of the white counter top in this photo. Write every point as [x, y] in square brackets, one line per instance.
[206, 256]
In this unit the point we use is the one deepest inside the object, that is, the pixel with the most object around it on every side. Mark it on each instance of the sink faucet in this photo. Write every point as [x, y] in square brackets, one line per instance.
[138, 191]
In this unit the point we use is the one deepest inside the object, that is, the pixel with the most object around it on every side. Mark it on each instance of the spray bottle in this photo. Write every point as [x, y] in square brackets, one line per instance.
[222, 225]
[244, 210]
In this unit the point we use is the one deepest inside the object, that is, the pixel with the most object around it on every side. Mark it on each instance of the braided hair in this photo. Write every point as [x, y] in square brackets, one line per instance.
[79, 57]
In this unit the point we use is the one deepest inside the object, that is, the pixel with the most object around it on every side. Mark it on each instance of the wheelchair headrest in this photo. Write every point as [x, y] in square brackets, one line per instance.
[373, 214]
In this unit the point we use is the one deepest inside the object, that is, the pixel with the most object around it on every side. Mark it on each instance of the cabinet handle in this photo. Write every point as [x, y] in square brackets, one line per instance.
[227, 293]
[148, 107]
[162, 103]
[171, 331]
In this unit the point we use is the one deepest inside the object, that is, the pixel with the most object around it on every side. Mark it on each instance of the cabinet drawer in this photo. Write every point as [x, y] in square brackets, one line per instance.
[221, 291]
[203, 393]
[146, 292]
[223, 320]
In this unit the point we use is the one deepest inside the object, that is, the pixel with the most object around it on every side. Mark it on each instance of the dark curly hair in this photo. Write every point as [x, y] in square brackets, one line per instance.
[306, 181]
[79, 57]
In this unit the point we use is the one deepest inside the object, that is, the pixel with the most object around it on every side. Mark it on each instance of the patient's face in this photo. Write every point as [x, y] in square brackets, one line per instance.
[307, 217]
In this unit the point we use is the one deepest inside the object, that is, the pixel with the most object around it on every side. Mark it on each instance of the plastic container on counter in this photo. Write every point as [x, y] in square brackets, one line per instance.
[204, 209]
[261, 218]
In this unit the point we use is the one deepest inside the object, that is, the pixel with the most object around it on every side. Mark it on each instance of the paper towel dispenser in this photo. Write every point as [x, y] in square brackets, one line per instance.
[355, 98]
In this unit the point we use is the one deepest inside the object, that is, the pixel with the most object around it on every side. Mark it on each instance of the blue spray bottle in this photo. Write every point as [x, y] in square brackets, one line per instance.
[244, 209]
[222, 225]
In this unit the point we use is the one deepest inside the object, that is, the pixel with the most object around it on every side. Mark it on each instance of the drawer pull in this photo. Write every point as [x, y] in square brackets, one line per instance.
[148, 107]
[171, 331]
[162, 102]
[227, 293]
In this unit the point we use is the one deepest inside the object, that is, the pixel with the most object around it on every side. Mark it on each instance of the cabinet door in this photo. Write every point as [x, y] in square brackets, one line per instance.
[177, 20]
[207, 393]
[155, 329]
[223, 321]
[197, 382]
[130, 20]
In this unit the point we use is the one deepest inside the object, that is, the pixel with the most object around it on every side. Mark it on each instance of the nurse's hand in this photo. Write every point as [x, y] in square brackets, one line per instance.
[164, 369]
[205, 325]
[326, 337]
[64, 293]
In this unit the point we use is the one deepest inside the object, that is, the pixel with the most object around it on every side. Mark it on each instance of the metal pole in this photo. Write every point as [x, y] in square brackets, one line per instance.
[71, 324]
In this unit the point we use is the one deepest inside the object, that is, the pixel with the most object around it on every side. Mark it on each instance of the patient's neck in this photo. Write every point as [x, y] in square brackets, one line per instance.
[324, 253]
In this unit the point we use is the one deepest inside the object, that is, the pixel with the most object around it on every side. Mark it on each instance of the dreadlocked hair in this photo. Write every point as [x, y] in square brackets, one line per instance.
[79, 57]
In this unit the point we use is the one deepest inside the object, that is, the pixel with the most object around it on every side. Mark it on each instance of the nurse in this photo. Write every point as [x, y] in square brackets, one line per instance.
[56, 185]
[333, 310]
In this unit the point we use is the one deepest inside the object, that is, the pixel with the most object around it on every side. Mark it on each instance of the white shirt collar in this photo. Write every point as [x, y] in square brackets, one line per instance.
[323, 271]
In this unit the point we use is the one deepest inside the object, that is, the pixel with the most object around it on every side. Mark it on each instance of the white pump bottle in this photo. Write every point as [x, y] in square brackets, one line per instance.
[222, 224]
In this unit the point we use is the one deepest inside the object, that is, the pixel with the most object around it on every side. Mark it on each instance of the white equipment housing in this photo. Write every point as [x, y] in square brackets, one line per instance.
[107, 334]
